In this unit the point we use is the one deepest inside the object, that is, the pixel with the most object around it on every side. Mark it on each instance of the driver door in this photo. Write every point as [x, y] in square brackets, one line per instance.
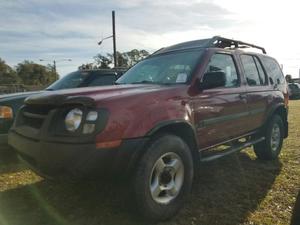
[221, 113]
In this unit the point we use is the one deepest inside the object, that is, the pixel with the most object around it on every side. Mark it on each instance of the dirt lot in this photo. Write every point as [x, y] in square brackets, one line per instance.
[235, 190]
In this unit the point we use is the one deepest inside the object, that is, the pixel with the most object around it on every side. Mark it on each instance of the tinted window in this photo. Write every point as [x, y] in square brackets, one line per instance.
[172, 68]
[273, 70]
[101, 80]
[250, 70]
[224, 63]
[261, 72]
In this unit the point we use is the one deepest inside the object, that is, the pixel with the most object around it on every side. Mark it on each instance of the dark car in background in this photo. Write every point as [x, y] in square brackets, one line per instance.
[294, 90]
[10, 103]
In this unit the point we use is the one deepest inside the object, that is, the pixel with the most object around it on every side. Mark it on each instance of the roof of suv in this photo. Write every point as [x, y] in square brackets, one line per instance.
[214, 42]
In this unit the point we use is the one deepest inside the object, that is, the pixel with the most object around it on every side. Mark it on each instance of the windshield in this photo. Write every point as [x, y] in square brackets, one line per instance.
[174, 68]
[83, 79]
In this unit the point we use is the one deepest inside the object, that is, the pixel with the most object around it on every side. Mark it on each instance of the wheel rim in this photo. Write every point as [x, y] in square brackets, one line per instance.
[275, 137]
[166, 178]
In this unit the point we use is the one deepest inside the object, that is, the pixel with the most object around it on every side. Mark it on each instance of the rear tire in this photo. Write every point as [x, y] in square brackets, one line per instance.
[270, 148]
[163, 178]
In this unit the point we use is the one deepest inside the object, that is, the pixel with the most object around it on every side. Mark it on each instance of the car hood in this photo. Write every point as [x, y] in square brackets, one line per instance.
[90, 96]
[16, 96]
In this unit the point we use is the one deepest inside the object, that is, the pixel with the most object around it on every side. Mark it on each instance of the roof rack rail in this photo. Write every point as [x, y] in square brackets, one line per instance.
[221, 42]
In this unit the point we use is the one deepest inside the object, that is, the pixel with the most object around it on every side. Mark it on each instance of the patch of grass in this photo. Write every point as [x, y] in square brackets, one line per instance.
[235, 190]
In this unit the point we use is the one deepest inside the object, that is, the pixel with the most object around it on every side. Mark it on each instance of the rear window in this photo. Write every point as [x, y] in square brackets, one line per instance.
[273, 70]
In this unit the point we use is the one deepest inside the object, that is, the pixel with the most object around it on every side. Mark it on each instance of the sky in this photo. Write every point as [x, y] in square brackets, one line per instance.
[71, 29]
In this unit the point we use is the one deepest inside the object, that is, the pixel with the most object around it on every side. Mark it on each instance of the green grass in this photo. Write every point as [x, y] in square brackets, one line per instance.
[235, 190]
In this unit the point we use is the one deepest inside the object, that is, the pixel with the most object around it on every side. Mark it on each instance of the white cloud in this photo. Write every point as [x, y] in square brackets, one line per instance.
[36, 29]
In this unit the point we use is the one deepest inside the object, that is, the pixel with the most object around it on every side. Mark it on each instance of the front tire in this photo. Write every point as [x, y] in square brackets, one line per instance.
[270, 148]
[163, 178]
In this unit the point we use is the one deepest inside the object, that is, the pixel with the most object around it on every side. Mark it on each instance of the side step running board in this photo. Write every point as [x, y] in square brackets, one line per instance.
[232, 150]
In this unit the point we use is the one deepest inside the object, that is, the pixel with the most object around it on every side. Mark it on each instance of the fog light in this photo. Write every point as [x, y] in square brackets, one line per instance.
[92, 116]
[88, 128]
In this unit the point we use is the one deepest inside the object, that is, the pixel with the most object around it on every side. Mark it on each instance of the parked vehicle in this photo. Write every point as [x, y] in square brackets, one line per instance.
[10, 103]
[165, 116]
[294, 90]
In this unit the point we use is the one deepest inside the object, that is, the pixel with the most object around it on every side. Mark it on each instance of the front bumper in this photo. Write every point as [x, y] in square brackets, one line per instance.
[54, 160]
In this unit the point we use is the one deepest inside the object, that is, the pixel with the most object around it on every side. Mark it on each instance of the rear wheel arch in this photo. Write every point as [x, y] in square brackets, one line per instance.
[283, 113]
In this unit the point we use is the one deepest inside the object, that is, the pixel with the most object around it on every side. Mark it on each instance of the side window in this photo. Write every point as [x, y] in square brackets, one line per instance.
[261, 72]
[250, 70]
[273, 70]
[224, 63]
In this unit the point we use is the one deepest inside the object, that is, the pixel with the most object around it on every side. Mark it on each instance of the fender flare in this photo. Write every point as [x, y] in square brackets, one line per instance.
[166, 123]
[272, 111]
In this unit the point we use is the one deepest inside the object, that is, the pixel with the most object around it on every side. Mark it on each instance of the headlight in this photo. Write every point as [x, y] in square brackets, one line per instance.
[6, 112]
[73, 119]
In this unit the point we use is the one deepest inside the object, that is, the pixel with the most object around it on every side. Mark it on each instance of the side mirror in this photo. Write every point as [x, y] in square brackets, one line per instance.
[213, 80]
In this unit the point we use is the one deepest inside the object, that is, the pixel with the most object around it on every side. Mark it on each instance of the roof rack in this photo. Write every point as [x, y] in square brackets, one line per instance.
[221, 42]
[214, 42]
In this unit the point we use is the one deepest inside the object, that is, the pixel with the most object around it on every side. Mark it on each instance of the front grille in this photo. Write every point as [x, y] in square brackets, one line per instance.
[35, 115]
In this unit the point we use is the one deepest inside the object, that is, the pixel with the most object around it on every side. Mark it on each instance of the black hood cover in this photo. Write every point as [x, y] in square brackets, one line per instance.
[58, 100]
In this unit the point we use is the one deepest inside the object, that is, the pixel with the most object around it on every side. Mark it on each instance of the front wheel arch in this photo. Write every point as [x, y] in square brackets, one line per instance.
[182, 129]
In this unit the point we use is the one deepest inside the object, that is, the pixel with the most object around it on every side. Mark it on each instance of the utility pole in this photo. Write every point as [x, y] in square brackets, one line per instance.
[54, 66]
[114, 38]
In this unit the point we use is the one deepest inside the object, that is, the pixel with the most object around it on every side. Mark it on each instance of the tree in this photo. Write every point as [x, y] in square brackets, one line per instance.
[34, 74]
[135, 55]
[288, 78]
[125, 59]
[122, 59]
[102, 61]
[7, 74]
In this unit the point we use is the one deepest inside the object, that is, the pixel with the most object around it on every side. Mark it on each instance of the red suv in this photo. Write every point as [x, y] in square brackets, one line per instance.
[163, 117]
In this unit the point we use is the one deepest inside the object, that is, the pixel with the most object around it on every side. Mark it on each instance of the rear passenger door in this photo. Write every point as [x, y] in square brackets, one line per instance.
[258, 92]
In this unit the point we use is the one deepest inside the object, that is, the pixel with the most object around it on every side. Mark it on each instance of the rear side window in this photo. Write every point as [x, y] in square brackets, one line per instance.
[273, 70]
[224, 63]
[261, 72]
[251, 71]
